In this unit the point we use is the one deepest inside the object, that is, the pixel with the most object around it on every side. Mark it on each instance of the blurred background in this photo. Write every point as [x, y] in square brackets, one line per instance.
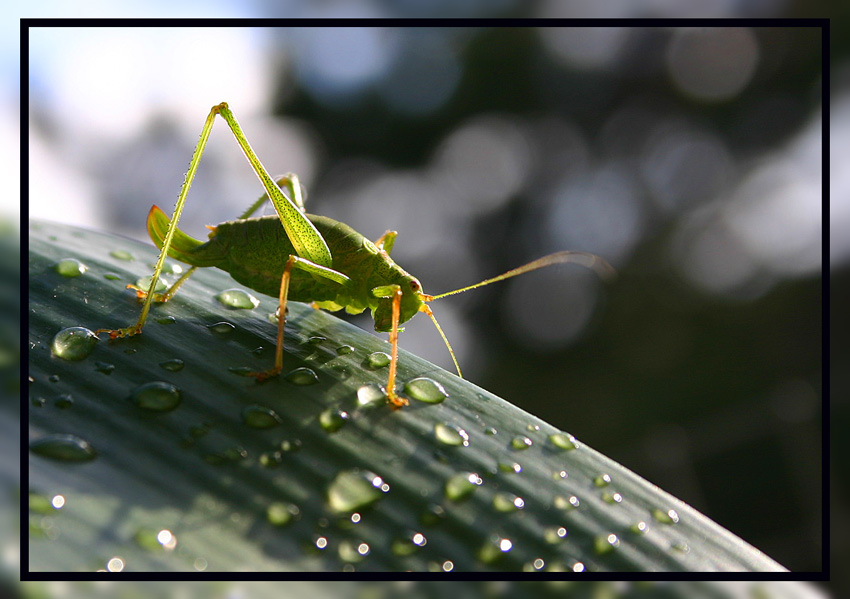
[689, 158]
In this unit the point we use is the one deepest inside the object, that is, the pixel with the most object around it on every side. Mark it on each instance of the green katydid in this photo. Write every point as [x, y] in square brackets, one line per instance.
[309, 259]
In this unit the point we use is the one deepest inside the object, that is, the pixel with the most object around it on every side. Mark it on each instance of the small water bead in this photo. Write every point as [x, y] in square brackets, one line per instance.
[425, 390]
[451, 435]
[64, 401]
[563, 441]
[534, 566]
[352, 551]
[510, 467]
[612, 498]
[257, 416]
[144, 283]
[408, 545]
[237, 298]
[560, 475]
[519, 442]
[639, 527]
[353, 490]
[122, 255]
[112, 276]
[173, 365]
[603, 544]
[104, 367]
[566, 503]
[332, 419]
[371, 395]
[38, 401]
[158, 396]
[344, 349]
[290, 446]
[69, 448]
[53, 378]
[668, 517]
[269, 459]
[281, 514]
[40, 504]
[603, 480]
[533, 428]
[555, 535]
[494, 549]
[302, 376]
[460, 486]
[433, 515]
[165, 320]
[73, 343]
[378, 359]
[506, 502]
[69, 267]
[222, 328]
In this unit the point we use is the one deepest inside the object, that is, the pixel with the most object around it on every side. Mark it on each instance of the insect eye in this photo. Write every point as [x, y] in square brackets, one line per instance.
[414, 285]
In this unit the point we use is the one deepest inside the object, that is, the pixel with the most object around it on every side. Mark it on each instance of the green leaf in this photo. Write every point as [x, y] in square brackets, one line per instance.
[184, 464]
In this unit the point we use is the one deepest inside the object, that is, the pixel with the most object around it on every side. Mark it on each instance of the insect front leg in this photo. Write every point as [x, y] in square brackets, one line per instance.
[392, 291]
[385, 242]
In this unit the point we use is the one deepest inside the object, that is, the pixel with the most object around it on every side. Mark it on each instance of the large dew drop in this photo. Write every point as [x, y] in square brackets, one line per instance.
[461, 486]
[302, 376]
[73, 343]
[69, 267]
[157, 395]
[237, 298]
[69, 448]
[354, 490]
[257, 416]
[425, 390]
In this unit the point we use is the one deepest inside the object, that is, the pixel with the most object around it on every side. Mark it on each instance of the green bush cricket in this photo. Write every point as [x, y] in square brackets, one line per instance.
[308, 259]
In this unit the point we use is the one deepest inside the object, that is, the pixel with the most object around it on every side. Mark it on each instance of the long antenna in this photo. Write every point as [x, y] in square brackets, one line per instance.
[605, 270]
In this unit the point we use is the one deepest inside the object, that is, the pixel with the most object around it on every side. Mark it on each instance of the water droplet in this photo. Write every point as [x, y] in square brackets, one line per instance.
[433, 514]
[63, 447]
[54, 378]
[222, 328]
[292, 446]
[122, 255]
[510, 467]
[157, 395]
[450, 435]
[165, 320]
[605, 543]
[507, 502]
[566, 503]
[64, 401]
[563, 441]
[344, 349]
[354, 490]
[237, 298]
[520, 442]
[493, 549]
[281, 514]
[560, 475]
[115, 564]
[612, 497]
[409, 544]
[532, 427]
[425, 390]
[490, 431]
[302, 376]
[257, 416]
[332, 420]
[460, 486]
[270, 459]
[112, 276]
[73, 343]
[555, 534]
[352, 551]
[378, 359]
[639, 527]
[681, 547]
[69, 267]
[370, 396]
[104, 367]
[38, 401]
[173, 365]
[668, 517]
[39, 503]
[603, 480]
[241, 370]
[144, 283]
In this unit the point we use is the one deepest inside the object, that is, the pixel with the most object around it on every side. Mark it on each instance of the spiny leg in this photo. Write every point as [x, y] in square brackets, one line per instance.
[281, 321]
[178, 209]
[288, 182]
[395, 400]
